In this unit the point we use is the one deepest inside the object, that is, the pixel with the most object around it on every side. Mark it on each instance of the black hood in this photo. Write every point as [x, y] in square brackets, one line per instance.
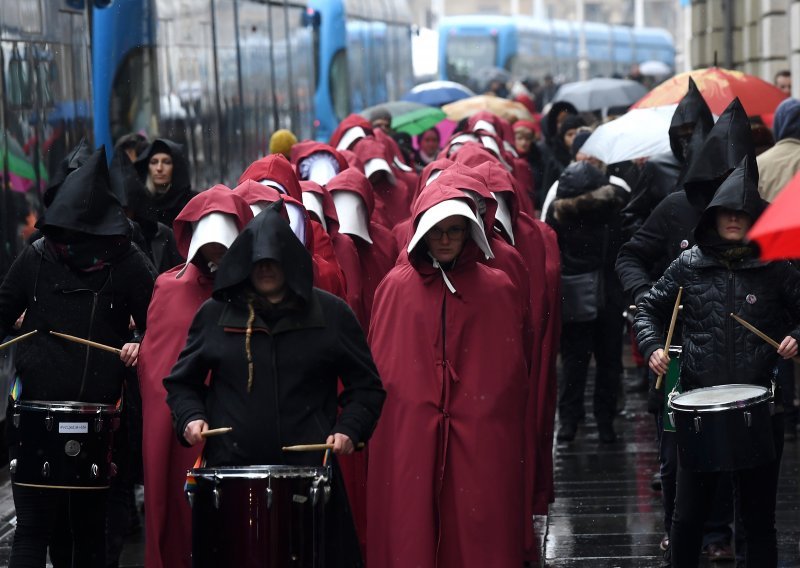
[268, 236]
[551, 120]
[729, 141]
[86, 203]
[75, 159]
[691, 111]
[180, 167]
[130, 190]
[739, 192]
[579, 178]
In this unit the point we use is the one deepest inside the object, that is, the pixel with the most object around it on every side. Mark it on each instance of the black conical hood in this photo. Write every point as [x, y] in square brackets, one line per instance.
[268, 236]
[691, 111]
[86, 203]
[75, 159]
[739, 192]
[729, 141]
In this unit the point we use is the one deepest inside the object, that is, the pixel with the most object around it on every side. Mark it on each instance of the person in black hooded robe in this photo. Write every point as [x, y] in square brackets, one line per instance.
[275, 348]
[661, 175]
[165, 172]
[721, 275]
[83, 277]
[642, 260]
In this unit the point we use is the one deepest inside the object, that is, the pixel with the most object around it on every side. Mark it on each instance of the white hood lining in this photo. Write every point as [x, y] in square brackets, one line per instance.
[313, 203]
[352, 213]
[211, 228]
[447, 209]
[350, 137]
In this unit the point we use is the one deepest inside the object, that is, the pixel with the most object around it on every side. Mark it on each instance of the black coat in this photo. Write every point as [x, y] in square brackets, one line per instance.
[719, 278]
[545, 169]
[668, 231]
[167, 206]
[93, 305]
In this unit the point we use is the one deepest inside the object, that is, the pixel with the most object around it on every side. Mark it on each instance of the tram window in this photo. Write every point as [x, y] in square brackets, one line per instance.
[340, 85]
[131, 104]
[466, 54]
[19, 80]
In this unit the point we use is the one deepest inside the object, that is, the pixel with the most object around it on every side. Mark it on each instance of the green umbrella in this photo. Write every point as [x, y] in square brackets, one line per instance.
[418, 121]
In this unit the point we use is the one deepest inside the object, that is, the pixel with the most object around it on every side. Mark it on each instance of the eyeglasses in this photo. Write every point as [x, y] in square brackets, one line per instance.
[453, 233]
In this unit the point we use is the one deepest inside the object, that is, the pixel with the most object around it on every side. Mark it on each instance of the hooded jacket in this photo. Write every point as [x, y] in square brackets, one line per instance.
[452, 387]
[343, 139]
[175, 301]
[780, 163]
[168, 205]
[719, 278]
[392, 194]
[93, 302]
[669, 230]
[662, 174]
[275, 168]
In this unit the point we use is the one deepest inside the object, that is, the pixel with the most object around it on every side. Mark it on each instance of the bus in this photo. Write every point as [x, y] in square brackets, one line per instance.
[531, 47]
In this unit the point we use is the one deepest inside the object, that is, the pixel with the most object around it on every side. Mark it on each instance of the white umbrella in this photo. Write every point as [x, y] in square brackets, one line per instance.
[601, 93]
[655, 68]
[635, 134]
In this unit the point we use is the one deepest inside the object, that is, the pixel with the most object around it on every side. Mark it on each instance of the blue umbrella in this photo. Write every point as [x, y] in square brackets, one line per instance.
[438, 93]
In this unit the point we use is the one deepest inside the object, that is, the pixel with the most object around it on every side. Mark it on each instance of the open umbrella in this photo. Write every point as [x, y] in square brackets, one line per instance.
[639, 133]
[408, 117]
[503, 108]
[655, 68]
[438, 93]
[718, 87]
[777, 231]
[596, 94]
[395, 108]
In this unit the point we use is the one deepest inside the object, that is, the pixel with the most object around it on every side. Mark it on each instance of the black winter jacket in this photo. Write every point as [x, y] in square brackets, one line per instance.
[93, 305]
[296, 362]
[667, 232]
[716, 349]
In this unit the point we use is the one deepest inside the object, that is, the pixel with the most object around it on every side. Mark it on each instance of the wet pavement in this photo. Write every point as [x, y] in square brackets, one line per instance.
[606, 514]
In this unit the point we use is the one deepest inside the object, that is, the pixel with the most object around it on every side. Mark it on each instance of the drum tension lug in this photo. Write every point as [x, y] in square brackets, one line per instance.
[216, 497]
[98, 424]
[46, 469]
[48, 423]
[268, 495]
[314, 494]
[190, 497]
[12, 466]
[697, 424]
[671, 418]
[15, 420]
[94, 471]
[748, 418]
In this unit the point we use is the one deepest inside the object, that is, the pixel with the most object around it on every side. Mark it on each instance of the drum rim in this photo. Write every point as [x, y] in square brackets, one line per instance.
[763, 397]
[260, 472]
[67, 406]
[676, 349]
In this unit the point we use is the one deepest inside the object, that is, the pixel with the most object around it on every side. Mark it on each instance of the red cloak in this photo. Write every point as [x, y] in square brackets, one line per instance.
[168, 521]
[391, 193]
[350, 121]
[446, 469]
[274, 167]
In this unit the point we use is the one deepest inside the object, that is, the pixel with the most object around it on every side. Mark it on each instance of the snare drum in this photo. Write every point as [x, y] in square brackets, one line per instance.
[258, 516]
[62, 445]
[723, 428]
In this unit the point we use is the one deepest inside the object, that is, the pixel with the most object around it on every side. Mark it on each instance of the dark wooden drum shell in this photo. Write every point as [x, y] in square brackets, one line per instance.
[62, 445]
[723, 428]
[258, 516]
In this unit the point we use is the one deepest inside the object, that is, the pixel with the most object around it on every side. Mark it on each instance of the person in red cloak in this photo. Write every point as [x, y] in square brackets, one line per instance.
[399, 165]
[317, 162]
[204, 229]
[352, 129]
[319, 203]
[539, 247]
[392, 195]
[276, 172]
[446, 471]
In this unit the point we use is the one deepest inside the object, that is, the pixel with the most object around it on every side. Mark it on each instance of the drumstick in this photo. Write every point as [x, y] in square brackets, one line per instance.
[761, 334]
[312, 447]
[671, 329]
[87, 342]
[215, 432]
[20, 338]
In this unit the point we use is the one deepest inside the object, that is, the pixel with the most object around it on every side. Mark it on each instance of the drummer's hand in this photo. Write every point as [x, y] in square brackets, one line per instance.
[192, 432]
[659, 362]
[129, 354]
[341, 444]
[788, 347]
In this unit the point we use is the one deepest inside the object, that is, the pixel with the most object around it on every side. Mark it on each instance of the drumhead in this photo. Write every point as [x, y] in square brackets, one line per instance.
[720, 397]
[67, 406]
[260, 472]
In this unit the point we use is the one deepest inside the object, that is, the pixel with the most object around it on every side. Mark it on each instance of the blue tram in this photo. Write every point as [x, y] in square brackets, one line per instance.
[530, 47]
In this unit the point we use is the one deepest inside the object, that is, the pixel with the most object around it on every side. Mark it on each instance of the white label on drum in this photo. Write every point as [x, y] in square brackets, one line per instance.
[73, 427]
[299, 498]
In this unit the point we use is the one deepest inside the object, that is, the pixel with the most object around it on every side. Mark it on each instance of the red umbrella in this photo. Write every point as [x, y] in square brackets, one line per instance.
[777, 231]
[718, 87]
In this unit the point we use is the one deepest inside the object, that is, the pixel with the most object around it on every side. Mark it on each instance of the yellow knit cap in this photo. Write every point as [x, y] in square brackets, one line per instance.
[281, 142]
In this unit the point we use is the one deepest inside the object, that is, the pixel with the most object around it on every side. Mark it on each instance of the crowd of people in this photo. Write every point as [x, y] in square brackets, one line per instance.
[407, 307]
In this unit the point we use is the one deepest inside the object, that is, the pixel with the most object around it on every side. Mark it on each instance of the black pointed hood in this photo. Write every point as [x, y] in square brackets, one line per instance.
[691, 111]
[75, 159]
[86, 203]
[729, 141]
[739, 192]
[132, 193]
[268, 236]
